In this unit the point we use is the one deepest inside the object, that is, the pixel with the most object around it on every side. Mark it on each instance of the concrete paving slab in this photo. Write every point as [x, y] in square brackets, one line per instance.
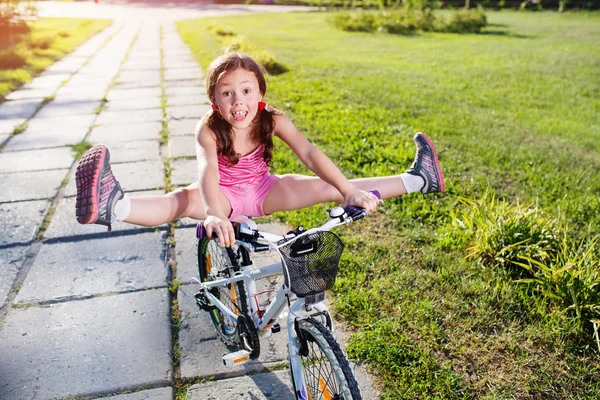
[19, 108]
[185, 83]
[133, 94]
[172, 62]
[111, 134]
[182, 146]
[19, 221]
[194, 89]
[270, 385]
[129, 116]
[45, 139]
[185, 172]
[193, 111]
[49, 80]
[140, 65]
[77, 123]
[36, 160]
[30, 185]
[136, 176]
[11, 259]
[38, 93]
[136, 85]
[176, 74]
[123, 152]
[105, 344]
[139, 76]
[131, 104]
[3, 138]
[201, 352]
[152, 394]
[182, 127]
[65, 225]
[185, 100]
[116, 264]
[8, 125]
[69, 105]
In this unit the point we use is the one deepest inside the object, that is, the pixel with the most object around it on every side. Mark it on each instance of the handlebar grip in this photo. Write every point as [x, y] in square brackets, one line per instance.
[241, 231]
[357, 212]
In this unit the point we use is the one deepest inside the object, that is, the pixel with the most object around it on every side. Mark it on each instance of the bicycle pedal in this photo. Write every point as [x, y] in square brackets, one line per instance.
[276, 328]
[237, 358]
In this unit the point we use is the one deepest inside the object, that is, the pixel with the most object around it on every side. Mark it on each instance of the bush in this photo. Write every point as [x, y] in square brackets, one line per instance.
[407, 20]
[12, 58]
[402, 22]
[467, 21]
[571, 278]
[354, 21]
[500, 233]
[16, 13]
[221, 30]
[41, 41]
[263, 57]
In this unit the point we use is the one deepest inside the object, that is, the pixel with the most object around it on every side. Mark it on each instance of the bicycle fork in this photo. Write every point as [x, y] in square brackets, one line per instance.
[296, 343]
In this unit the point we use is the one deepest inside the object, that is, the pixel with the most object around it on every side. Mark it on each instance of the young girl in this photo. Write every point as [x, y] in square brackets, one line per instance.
[234, 145]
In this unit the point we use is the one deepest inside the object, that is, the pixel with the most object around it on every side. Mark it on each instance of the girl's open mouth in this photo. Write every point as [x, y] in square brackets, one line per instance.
[239, 115]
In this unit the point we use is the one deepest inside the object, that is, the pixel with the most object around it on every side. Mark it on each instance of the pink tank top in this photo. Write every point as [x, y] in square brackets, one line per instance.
[250, 169]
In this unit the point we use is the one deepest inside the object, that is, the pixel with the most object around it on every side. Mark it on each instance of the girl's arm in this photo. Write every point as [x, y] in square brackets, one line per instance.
[208, 178]
[315, 160]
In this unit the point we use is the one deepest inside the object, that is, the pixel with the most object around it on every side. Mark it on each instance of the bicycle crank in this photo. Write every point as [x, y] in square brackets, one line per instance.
[248, 336]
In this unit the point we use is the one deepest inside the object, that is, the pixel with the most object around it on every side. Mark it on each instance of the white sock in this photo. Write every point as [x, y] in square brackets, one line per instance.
[122, 209]
[412, 183]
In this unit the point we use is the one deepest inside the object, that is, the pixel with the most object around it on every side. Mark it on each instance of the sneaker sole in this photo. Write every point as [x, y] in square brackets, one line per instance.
[87, 179]
[438, 169]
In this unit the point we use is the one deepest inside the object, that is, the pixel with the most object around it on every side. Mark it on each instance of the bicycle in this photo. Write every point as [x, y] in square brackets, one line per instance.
[309, 262]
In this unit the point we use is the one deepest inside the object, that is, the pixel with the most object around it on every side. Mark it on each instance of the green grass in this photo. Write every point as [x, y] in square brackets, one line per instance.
[514, 111]
[25, 55]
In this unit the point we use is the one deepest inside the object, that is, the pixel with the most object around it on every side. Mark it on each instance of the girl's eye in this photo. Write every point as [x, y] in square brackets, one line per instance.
[247, 91]
[225, 94]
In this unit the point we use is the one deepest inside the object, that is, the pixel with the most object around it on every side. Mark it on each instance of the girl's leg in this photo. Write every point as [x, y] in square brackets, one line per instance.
[425, 175]
[183, 202]
[293, 192]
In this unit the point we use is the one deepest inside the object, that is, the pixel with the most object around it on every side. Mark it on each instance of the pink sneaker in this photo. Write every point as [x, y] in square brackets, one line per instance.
[97, 189]
[427, 166]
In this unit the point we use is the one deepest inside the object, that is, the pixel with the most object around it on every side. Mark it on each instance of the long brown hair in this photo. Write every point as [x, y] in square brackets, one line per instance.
[222, 129]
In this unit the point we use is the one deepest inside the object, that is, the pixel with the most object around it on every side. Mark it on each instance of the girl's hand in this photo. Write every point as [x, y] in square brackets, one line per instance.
[362, 199]
[221, 227]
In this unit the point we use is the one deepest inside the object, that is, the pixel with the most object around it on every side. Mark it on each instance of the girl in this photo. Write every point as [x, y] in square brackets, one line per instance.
[234, 145]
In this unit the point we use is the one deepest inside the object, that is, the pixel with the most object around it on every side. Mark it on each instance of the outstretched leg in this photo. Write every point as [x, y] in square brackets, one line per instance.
[294, 192]
[100, 199]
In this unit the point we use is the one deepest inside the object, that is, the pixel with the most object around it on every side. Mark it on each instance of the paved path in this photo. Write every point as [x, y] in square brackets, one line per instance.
[86, 312]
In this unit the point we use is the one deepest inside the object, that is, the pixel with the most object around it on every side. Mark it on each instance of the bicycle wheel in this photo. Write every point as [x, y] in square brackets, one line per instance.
[327, 372]
[216, 262]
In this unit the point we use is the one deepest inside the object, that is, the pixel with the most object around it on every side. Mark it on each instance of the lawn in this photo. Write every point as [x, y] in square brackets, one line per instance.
[515, 113]
[25, 55]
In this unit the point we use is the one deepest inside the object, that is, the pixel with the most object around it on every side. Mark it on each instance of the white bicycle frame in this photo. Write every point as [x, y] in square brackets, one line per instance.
[298, 309]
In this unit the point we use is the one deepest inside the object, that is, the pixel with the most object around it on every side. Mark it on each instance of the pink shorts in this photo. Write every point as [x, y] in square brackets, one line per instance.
[247, 199]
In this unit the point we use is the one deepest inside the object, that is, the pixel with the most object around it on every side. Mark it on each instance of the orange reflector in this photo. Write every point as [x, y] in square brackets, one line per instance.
[233, 298]
[241, 360]
[208, 264]
[326, 394]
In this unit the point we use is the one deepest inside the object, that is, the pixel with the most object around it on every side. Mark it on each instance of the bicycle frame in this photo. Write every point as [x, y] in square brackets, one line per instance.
[249, 274]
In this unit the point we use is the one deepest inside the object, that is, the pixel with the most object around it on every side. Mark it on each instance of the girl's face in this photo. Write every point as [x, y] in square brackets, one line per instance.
[237, 95]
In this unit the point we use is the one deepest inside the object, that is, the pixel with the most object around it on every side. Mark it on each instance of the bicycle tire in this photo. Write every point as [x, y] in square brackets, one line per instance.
[216, 262]
[327, 371]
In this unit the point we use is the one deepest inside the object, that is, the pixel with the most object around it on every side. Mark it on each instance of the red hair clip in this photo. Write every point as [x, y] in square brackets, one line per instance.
[215, 108]
[261, 105]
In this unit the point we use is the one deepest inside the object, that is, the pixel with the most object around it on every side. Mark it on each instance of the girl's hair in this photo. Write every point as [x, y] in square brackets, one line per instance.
[221, 128]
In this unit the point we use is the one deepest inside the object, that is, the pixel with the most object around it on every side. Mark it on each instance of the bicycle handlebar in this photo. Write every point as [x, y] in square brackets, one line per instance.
[244, 233]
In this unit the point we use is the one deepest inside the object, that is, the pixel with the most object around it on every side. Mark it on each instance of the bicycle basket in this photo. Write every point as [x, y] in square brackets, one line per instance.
[312, 262]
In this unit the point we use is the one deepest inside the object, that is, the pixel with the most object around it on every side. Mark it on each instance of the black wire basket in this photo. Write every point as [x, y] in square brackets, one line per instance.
[312, 262]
